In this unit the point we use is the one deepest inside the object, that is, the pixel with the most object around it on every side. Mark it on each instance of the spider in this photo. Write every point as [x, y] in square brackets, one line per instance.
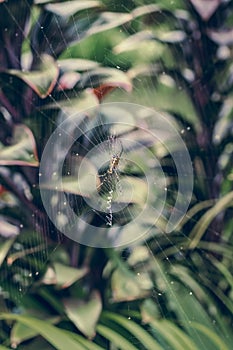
[113, 166]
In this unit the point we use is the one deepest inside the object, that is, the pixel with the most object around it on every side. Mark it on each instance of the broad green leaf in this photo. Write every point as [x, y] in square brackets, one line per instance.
[136, 330]
[83, 314]
[4, 348]
[76, 64]
[134, 41]
[110, 77]
[138, 255]
[7, 229]
[43, 79]
[70, 8]
[128, 286]
[22, 150]
[221, 37]
[113, 336]
[54, 335]
[145, 9]
[202, 225]
[108, 20]
[149, 311]
[66, 275]
[20, 332]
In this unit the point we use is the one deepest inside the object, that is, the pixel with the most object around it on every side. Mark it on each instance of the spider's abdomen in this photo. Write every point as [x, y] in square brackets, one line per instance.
[114, 164]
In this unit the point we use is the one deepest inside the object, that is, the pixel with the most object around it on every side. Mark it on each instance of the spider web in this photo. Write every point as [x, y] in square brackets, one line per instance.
[94, 140]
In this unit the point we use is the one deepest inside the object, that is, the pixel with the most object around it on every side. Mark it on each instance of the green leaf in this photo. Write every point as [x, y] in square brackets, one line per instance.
[221, 37]
[210, 335]
[88, 344]
[107, 77]
[117, 339]
[202, 225]
[20, 332]
[43, 79]
[5, 247]
[66, 275]
[149, 311]
[173, 336]
[137, 331]
[76, 64]
[54, 335]
[22, 150]
[70, 8]
[128, 286]
[7, 229]
[84, 315]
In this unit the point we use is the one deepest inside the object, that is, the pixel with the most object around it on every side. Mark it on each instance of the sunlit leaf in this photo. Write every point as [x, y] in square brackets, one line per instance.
[70, 8]
[66, 275]
[20, 332]
[22, 150]
[52, 334]
[206, 8]
[149, 311]
[83, 314]
[76, 64]
[221, 37]
[7, 229]
[128, 286]
[102, 77]
[43, 79]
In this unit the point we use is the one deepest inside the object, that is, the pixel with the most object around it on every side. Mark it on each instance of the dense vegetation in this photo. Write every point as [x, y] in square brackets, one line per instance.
[168, 290]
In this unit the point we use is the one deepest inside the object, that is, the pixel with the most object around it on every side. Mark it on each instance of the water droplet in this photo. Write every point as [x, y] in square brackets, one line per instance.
[40, 174]
[190, 293]
[21, 225]
[37, 273]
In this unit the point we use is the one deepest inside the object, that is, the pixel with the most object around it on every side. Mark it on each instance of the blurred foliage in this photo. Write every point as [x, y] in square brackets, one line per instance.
[172, 291]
